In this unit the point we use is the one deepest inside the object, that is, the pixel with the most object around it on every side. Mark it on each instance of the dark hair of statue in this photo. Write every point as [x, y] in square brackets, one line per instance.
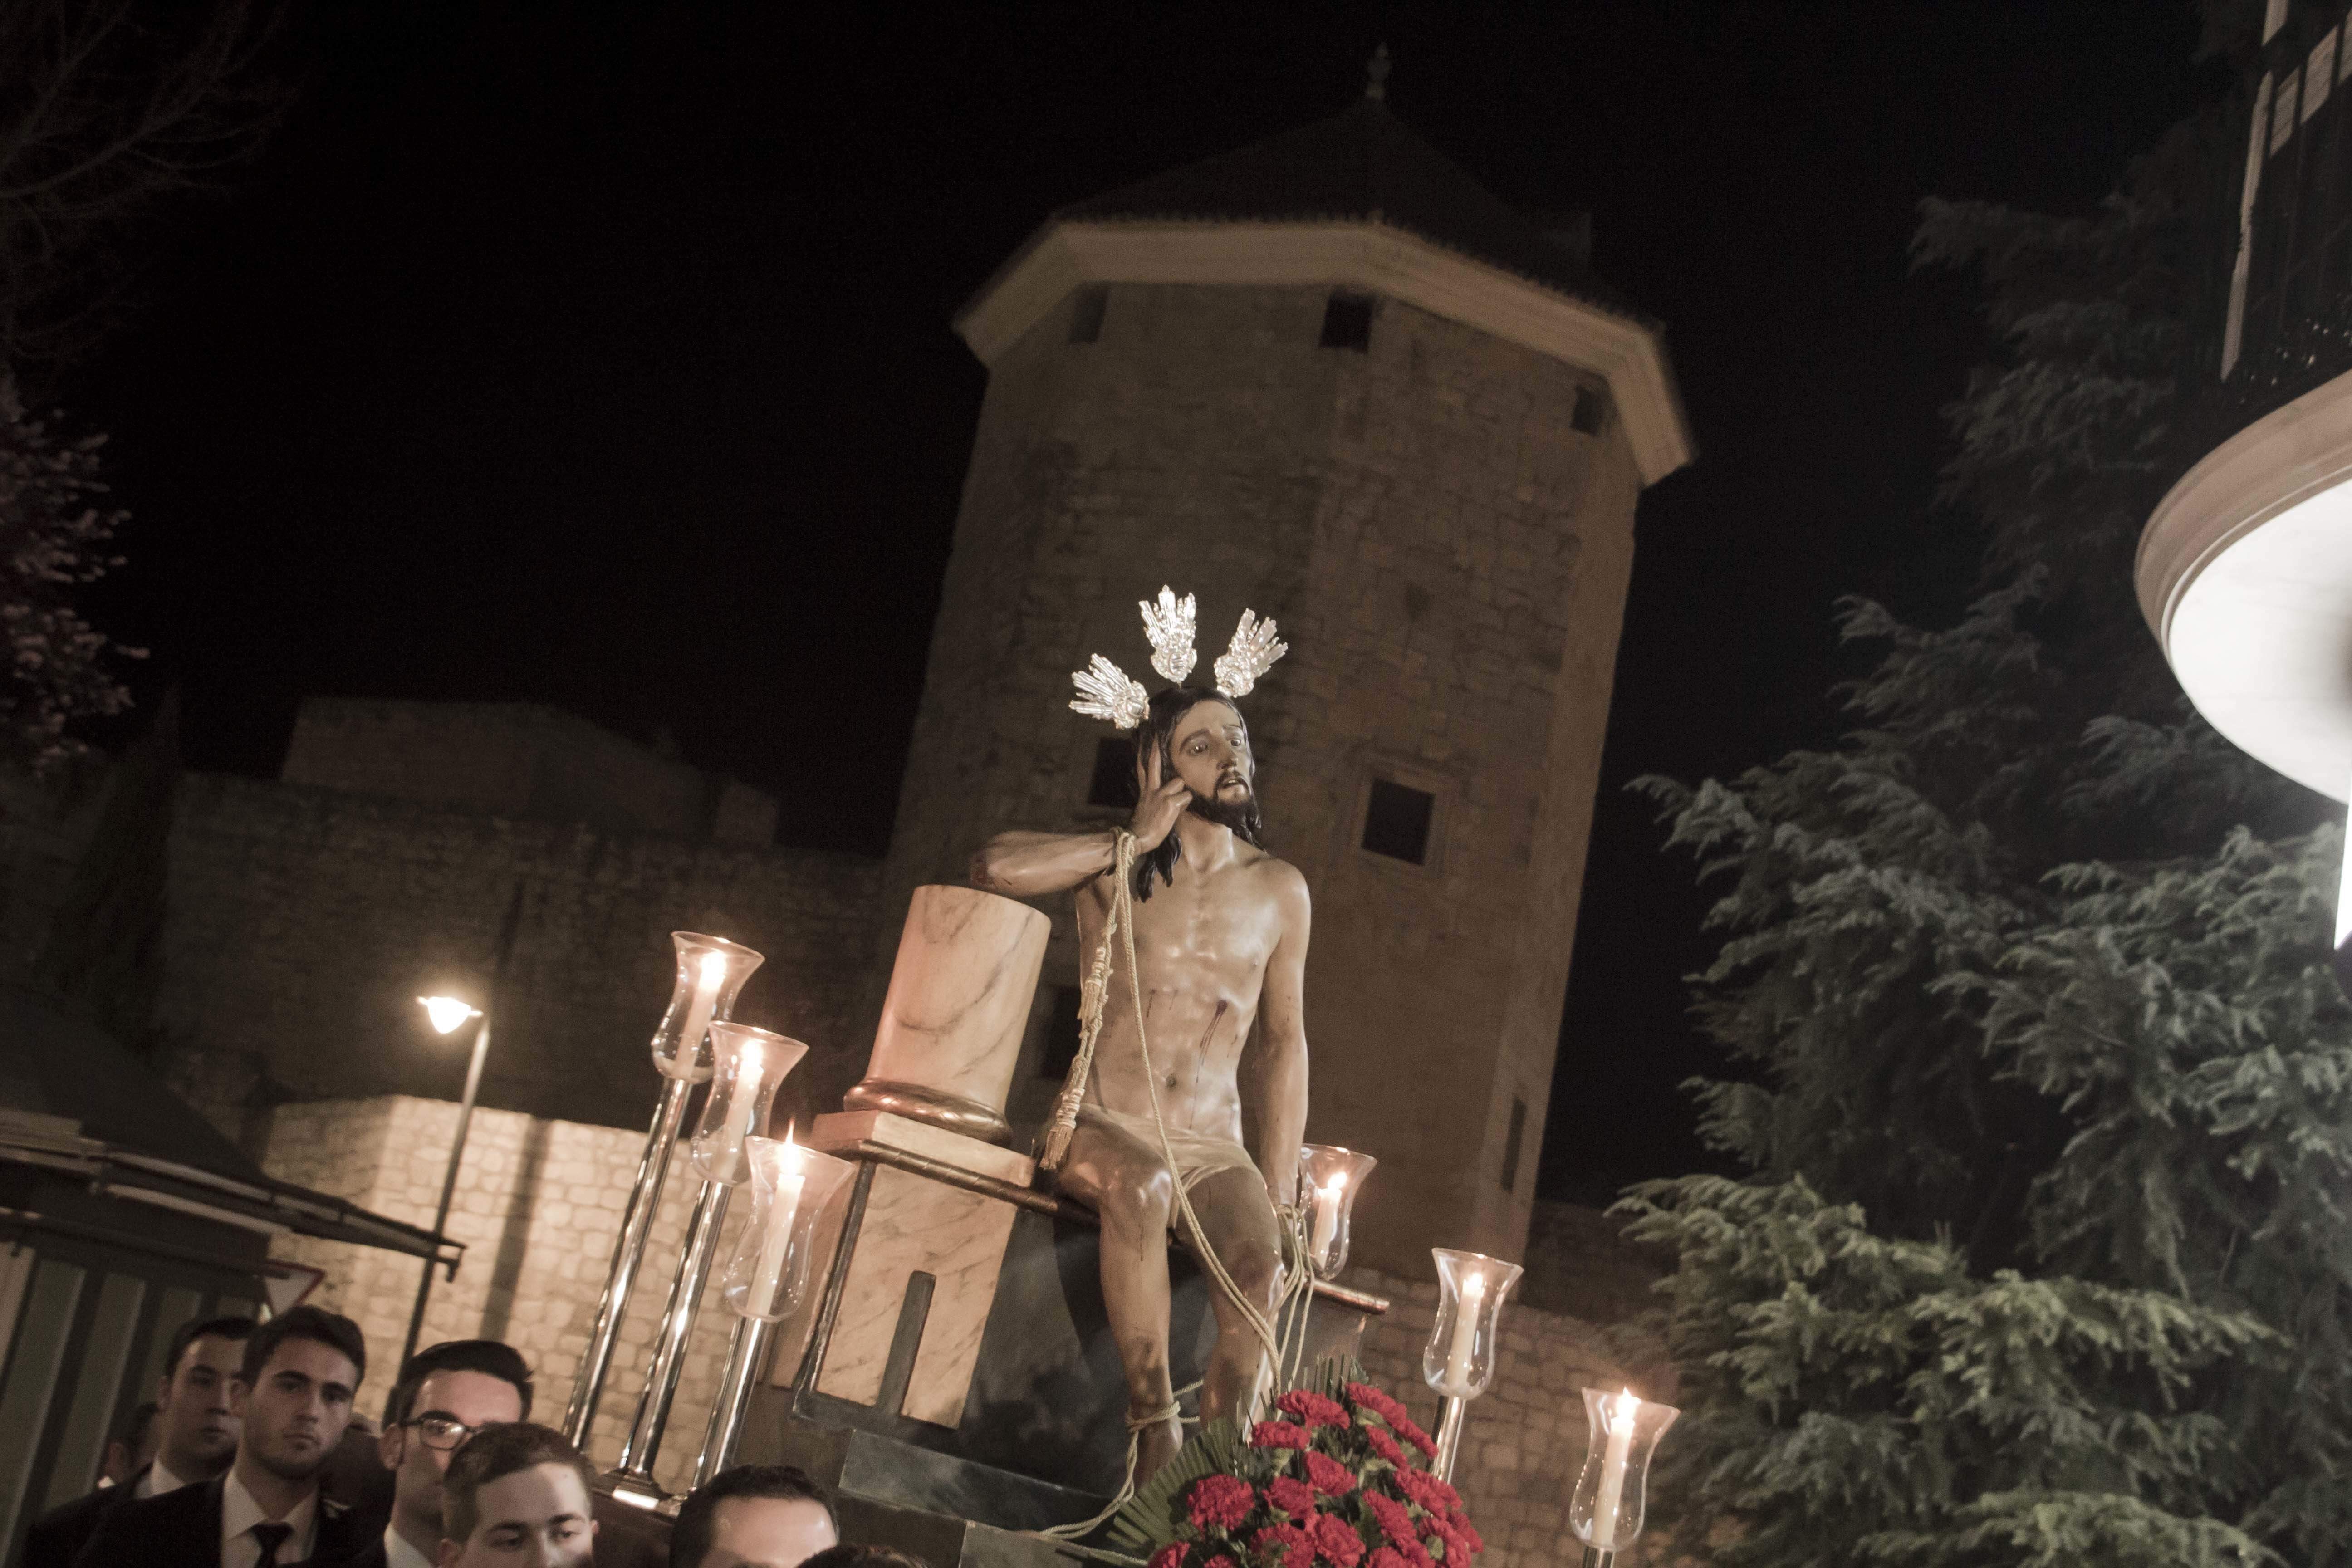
[1159, 731]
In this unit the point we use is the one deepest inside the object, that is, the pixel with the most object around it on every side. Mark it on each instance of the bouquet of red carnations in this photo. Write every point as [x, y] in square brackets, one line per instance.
[1338, 1478]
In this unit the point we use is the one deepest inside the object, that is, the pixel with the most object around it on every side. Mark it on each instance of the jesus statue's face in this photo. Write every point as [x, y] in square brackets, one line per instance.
[1210, 748]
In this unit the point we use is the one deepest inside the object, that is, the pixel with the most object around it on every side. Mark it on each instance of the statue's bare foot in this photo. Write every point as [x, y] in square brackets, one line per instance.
[1155, 1445]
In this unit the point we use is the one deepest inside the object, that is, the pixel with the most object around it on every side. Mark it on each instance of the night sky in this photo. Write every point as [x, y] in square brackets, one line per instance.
[600, 357]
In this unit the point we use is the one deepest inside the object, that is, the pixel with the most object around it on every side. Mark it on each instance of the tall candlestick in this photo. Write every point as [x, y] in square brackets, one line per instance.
[782, 1210]
[1327, 1214]
[1458, 1355]
[1612, 1471]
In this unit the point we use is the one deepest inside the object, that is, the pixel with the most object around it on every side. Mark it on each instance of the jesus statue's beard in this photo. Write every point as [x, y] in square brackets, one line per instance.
[1241, 815]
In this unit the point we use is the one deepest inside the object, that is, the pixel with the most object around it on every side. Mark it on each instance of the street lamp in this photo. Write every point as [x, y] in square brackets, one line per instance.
[448, 1015]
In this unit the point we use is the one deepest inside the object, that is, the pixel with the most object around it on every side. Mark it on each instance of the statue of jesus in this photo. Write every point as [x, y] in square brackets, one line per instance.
[1220, 931]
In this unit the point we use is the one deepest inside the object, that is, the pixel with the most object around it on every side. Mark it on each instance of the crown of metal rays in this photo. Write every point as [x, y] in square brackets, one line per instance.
[1109, 693]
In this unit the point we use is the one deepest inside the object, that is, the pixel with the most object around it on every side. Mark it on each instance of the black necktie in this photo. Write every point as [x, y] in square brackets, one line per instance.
[272, 1537]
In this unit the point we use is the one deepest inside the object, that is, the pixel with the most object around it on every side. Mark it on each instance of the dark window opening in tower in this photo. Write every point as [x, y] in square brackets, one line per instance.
[1592, 411]
[1087, 313]
[1511, 1141]
[1114, 780]
[1347, 322]
[1061, 1042]
[1396, 822]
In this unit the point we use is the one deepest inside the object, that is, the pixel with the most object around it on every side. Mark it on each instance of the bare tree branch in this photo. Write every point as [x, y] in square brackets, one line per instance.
[108, 107]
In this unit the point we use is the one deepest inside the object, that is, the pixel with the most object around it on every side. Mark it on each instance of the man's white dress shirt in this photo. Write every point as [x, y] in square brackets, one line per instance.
[240, 1513]
[158, 1480]
[398, 1553]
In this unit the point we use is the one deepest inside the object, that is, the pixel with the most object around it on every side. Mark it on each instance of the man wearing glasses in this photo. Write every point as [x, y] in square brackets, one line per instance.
[446, 1393]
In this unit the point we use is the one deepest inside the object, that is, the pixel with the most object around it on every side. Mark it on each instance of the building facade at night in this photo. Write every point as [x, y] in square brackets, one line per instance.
[1328, 377]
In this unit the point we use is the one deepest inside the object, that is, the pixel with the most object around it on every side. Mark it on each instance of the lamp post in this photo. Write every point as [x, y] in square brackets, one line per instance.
[448, 1015]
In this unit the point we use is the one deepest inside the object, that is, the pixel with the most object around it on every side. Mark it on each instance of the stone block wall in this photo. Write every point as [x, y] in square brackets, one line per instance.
[538, 1206]
[517, 760]
[302, 923]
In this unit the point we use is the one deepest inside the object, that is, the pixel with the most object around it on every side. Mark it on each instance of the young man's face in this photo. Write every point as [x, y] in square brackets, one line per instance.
[767, 1533]
[195, 1423]
[536, 1518]
[295, 1412]
[447, 1399]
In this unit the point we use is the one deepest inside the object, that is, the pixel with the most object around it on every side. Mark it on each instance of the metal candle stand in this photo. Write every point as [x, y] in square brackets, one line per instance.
[711, 972]
[636, 1223]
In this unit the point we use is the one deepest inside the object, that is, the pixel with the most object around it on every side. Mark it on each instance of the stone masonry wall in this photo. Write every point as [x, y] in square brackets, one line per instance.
[538, 1206]
[302, 923]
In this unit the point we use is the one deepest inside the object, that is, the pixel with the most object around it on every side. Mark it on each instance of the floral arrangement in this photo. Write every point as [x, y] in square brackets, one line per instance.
[1338, 1478]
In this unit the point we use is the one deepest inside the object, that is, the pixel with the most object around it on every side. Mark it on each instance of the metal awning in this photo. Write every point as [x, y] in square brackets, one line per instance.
[260, 1204]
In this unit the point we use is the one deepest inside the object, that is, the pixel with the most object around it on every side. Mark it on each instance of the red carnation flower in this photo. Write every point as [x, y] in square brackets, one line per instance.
[1378, 1403]
[1385, 1557]
[1221, 1560]
[1390, 1515]
[1385, 1447]
[1458, 1546]
[1415, 1435]
[1170, 1556]
[1279, 1434]
[1336, 1540]
[1286, 1544]
[1295, 1498]
[1220, 1502]
[1461, 1521]
[1428, 1490]
[1331, 1477]
[1311, 1410]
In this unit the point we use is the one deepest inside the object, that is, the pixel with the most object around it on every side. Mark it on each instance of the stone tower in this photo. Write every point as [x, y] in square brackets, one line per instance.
[1329, 377]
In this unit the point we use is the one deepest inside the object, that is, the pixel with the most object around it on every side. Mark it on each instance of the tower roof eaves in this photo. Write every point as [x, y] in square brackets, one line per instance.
[1374, 255]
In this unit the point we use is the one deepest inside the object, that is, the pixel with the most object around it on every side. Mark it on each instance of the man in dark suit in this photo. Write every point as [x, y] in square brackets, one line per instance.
[197, 1432]
[447, 1393]
[293, 1395]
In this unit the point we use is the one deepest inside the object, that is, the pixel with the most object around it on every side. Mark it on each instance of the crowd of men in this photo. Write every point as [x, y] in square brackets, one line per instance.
[249, 1458]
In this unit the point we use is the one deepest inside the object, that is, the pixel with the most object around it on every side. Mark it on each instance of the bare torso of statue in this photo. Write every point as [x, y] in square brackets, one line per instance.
[1221, 944]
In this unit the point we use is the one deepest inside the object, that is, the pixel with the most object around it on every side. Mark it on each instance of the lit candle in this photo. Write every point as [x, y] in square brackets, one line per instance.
[1327, 1215]
[713, 970]
[1613, 1470]
[1459, 1372]
[782, 1208]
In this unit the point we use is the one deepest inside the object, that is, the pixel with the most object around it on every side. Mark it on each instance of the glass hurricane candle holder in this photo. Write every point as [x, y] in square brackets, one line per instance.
[1605, 1509]
[1459, 1360]
[768, 1277]
[749, 1065]
[711, 972]
[1330, 1177]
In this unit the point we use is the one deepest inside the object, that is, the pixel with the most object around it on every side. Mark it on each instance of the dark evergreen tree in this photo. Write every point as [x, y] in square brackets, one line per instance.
[2045, 1257]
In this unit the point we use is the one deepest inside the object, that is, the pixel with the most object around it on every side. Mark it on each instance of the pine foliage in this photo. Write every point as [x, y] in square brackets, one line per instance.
[2046, 1086]
[54, 538]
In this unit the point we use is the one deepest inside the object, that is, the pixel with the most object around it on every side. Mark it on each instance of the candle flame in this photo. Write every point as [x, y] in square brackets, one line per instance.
[748, 1063]
[714, 970]
[1473, 1288]
[1337, 1184]
[1627, 1407]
